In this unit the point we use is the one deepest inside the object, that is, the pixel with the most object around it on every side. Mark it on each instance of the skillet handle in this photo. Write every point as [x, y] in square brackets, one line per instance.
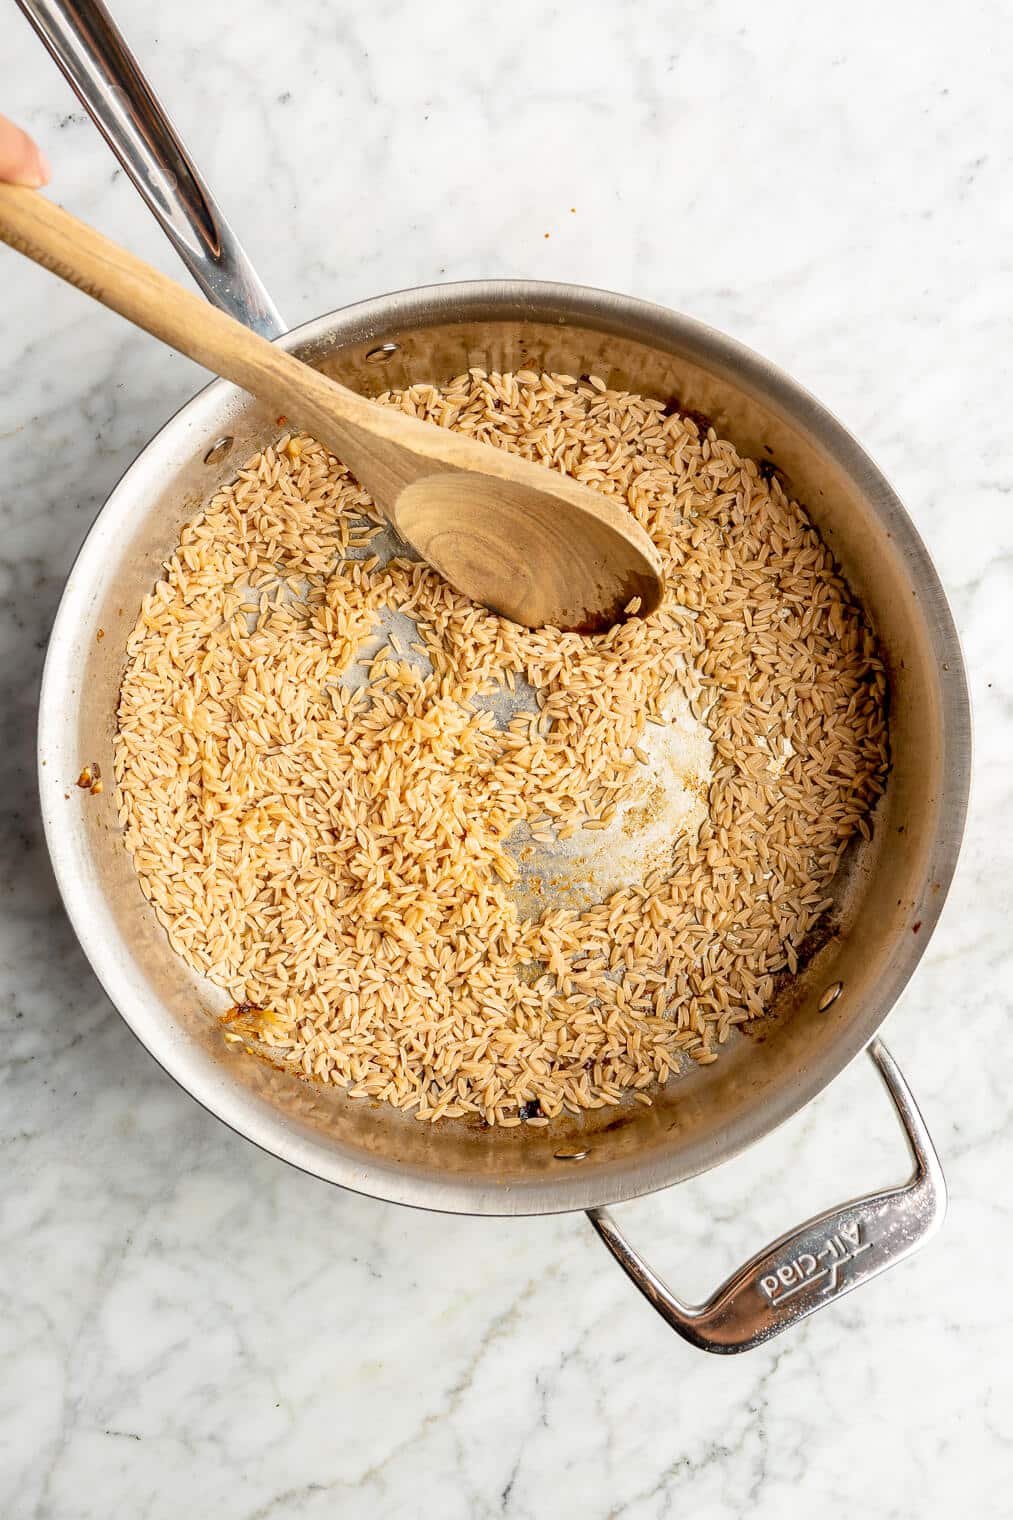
[813, 1265]
[86, 43]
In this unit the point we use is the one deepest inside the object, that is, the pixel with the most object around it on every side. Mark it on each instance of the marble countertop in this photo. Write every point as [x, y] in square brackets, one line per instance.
[187, 1325]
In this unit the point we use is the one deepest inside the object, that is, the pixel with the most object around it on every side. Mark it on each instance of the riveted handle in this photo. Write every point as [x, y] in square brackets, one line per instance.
[814, 1265]
[87, 45]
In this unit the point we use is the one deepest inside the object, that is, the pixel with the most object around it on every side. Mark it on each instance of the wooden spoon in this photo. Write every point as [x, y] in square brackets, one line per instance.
[529, 543]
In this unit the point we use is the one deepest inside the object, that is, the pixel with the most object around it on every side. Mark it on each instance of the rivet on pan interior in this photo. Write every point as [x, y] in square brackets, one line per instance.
[831, 995]
[571, 1153]
[219, 449]
[378, 355]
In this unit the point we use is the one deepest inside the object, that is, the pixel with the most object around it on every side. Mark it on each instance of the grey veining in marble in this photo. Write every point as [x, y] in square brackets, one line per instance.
[186, 1325]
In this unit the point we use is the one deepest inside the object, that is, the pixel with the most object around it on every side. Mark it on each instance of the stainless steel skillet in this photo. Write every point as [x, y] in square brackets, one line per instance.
[888, 896]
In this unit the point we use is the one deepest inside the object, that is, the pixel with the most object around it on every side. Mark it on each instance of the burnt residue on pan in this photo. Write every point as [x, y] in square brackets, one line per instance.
[673, 407]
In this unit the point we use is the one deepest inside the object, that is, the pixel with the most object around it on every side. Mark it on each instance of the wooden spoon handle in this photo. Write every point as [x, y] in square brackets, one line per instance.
[70, 248]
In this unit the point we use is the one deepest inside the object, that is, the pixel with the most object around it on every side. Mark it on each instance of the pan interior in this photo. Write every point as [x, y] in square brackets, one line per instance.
[887, 894]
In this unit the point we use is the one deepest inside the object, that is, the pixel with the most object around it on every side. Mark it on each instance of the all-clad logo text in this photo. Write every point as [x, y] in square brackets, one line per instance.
[823, 1266]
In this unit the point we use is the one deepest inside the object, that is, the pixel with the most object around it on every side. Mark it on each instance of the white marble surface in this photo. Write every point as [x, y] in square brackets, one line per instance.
[186, 1325]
